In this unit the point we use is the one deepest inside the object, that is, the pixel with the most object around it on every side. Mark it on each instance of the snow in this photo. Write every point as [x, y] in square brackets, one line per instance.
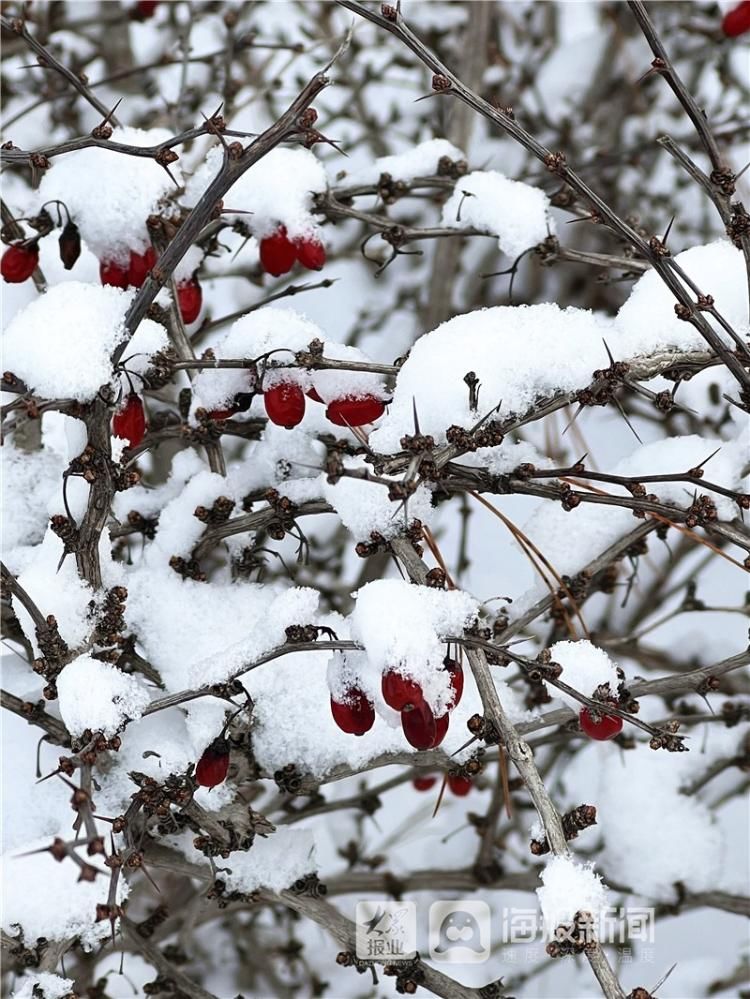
[516, 213]
[45, 899]
[594, 527]
[97, 696]
[61, 343]
[179, 529]
[585, 667]
[647, 320]
[364, 506]
[653, 834]
[418, 161]
[110, 195]
[568, 888]
[33, 475]
[60, 592]
[50, 986]
[277, 190]
[503, 346]
[274, 863]
[401, 626]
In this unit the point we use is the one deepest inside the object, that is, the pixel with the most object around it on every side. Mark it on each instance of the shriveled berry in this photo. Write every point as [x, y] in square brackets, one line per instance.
[355, 714]
[399, 692]
[140, 265]
[285, 404]
[421, 728]
[70, 245]
[424, 783]
[456, 681]
[112, 273]
[602, 727]
[311, 253]
[146, 8]
[130, 421]
[278, 253]
[460, 786]
[19, 262]
[737, 20]
[190, 300]
[214, 763]
[355, 412]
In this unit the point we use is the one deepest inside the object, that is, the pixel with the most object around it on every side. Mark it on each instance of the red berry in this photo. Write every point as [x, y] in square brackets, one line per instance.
[146, 8]
[213, 764]
[737, 21]
[606, 727]
[70, 245]
[190, 300]
[355, 412]
[354, 714]
[398, 691]
[19, 262]
[421, 728]
[456, 680]
[113, 274]
[311, 253]
[130, 422]
[140, 265]
[460, 786]
[285, 404]
[424, 783]
[312, 394]
[277, 253]
[221, 414]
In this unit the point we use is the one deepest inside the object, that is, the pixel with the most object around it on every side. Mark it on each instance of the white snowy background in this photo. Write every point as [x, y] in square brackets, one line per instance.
[649, 834]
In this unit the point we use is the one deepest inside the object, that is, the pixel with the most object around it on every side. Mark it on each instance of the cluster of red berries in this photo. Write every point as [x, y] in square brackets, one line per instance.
[355, 713]
[285, 406]
[460, 786]
[737, 20]
[189, 293]
[279, 253]
[598, 725]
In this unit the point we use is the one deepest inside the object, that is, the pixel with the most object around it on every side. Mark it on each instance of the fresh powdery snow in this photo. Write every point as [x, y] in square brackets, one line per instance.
[109, 194]
[418, 161]
[276, 190]
[519, 353]
[46, 898]
[95, 695]
[516, 213]
[568, 888]
[596, 526]
[585, 667]
[274, 862]
[42, 985]
[364, 506]
[61, 343]
[654, 835]
[647, 320]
